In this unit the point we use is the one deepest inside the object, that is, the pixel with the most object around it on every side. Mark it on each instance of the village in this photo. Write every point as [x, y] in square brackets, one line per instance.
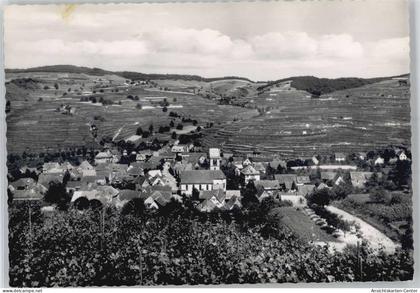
[214, 181]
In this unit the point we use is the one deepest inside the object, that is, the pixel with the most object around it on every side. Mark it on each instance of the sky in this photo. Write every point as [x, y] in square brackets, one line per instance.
[258, 40]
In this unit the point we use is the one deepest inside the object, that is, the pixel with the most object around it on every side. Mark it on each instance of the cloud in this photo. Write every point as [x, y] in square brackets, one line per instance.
[395, 49]
[209, 52]
[339, 46]
[284, 45]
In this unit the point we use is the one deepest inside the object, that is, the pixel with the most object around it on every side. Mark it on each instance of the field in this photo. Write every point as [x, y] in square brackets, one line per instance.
[294, 124]
[277, 119]
[300, 223]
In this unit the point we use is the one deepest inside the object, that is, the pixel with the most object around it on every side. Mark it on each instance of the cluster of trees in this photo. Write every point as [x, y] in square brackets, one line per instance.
[318, 86]
[133, 98]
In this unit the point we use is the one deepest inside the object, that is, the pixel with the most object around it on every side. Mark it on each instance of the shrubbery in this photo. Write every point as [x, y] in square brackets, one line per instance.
[69, 249]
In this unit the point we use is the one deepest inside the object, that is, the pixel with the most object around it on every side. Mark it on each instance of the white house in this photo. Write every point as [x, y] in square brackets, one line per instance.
[402, 156]
[202, 180]
[249, 173]
[379, 161]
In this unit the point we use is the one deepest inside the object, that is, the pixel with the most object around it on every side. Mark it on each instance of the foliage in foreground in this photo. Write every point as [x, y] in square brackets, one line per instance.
[69, 249]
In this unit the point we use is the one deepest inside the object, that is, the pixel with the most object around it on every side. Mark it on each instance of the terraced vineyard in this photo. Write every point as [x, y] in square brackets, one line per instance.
[35, 125]
[294, 124]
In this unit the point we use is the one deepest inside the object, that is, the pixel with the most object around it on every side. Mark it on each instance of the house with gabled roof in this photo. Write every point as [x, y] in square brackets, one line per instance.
[232, 203]
[288, 181]
[105, 157]
[262, 194]
[134, 170]
[219, 194]
[402, 156]
[85, 165]
[208, 205]
[150, 203]
[339, 180]
[249, 173]
[379, 161]
[202, 180]
[246, 162]
[25, 169]
[46, 178]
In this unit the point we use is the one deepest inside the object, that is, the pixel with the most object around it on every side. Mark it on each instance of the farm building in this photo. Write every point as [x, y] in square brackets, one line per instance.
[359, 179]
[402, 156]
[25, 169]
[202, 180]
[209, 204]
[322, 185]
[249, 173]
